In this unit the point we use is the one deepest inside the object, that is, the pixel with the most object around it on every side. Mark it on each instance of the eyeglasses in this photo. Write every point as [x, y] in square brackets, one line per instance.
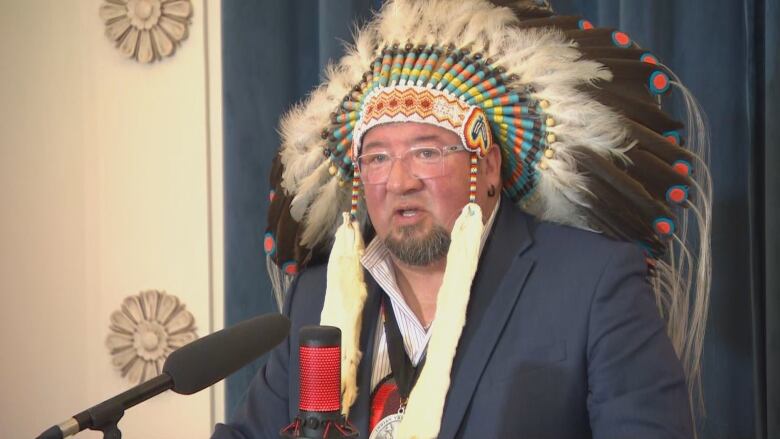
[422, 162]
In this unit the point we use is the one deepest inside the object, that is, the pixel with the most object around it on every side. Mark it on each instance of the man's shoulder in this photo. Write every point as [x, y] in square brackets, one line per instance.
[583, 254]
[313, 275]
[567, 243]
[573, 237]
[307, 294]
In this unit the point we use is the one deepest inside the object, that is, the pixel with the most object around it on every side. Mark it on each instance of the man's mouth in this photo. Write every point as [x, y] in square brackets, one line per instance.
[408, 213]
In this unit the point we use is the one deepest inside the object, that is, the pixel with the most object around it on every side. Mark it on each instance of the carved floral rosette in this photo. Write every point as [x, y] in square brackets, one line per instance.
[145, 330]
[146, 30]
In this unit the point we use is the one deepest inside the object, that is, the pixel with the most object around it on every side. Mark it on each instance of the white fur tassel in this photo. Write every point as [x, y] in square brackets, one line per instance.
[345, 295]
[422, 418]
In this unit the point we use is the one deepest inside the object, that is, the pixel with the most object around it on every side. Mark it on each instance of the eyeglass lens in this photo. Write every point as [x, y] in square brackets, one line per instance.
[424, 162]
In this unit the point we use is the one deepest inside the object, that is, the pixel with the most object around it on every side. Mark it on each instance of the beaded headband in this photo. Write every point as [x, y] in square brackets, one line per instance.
[415, 103]
[408, 103]
[450, 88]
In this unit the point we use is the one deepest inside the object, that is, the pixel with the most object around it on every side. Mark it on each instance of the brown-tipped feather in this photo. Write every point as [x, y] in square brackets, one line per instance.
[286, 231]
[596, 166]
[611, 53]
[654, 174]
[280, 204]
[598, 37]
[609, 215]
[630, 79]
[524, 9]
[646, 114]
[630, 69]
[656, 144]
[620, 224]
[564, 22]
[632, 90]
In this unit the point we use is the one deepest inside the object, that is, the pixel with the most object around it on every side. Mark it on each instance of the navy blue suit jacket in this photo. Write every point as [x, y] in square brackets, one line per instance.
[563, 340]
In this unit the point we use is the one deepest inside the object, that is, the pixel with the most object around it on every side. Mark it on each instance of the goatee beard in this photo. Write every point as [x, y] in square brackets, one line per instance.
[419, 251]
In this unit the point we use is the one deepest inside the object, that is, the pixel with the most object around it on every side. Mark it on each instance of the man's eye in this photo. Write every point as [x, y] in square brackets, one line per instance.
[426, 154]
[377, 159]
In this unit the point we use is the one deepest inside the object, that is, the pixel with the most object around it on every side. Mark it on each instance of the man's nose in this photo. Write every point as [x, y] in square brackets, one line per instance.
[401, 180]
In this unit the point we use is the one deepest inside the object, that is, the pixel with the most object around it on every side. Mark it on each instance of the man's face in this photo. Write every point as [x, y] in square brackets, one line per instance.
[412, 214]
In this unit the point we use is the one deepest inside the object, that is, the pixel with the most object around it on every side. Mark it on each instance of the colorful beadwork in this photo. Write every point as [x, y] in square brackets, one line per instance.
[448, 87]
[355, 193]
[410, 103]
[473, 178]
[476, 132]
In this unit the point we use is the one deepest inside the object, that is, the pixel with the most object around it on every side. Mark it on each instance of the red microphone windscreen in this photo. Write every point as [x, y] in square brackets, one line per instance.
[320, 362]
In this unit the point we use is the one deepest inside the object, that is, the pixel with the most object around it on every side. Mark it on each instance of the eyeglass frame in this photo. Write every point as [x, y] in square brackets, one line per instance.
[444, 150]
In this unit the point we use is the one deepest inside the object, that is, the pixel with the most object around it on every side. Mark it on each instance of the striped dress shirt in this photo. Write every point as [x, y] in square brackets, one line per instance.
[379, 264]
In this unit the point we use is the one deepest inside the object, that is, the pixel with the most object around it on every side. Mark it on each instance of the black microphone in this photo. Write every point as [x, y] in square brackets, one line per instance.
[189, 369]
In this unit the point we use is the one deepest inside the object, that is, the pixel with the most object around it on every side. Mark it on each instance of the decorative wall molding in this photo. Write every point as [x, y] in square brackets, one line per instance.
[145, 330]
[146, 30]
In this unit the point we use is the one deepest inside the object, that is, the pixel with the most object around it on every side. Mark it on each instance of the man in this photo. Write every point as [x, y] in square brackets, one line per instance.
[466, 131]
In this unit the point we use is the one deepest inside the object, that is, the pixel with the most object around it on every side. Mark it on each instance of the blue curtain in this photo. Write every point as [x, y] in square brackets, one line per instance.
[272, 55]
[724, 50]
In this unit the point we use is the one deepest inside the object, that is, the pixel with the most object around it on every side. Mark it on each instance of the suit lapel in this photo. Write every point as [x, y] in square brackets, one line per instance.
[359, 413]
[500, 277]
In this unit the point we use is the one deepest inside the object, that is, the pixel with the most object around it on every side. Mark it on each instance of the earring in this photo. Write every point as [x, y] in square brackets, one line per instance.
[491, 191]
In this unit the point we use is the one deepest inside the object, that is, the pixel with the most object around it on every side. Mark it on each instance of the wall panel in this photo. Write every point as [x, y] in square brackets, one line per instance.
[105, 183]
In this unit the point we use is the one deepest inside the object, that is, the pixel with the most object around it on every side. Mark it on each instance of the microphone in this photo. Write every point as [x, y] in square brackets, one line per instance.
[187, 370]
[319, 405]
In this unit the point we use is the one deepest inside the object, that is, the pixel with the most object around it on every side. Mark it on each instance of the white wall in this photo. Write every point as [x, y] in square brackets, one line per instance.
[110, 183]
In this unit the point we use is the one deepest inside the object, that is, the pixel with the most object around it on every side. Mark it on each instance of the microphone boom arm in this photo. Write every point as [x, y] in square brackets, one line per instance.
[187, 370]
[105, 416]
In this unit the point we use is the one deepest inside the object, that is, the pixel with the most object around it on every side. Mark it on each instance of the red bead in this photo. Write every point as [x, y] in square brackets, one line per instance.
[290, 268]
[677, 195]
[268, 243]
[621, 39]
[682, 168]
[649, 59]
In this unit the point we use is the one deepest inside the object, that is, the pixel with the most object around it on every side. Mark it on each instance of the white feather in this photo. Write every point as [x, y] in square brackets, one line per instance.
[322, 218]
[308, 190]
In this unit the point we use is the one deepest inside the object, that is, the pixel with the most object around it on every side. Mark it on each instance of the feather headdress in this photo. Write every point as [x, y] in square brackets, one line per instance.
[576, 112]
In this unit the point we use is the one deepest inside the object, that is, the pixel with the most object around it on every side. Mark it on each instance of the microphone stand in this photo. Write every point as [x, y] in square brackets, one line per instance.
[106, 415]
[194, 367]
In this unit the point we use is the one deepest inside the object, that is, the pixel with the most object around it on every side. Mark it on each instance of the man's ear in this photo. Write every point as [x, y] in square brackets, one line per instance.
[492, 165]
